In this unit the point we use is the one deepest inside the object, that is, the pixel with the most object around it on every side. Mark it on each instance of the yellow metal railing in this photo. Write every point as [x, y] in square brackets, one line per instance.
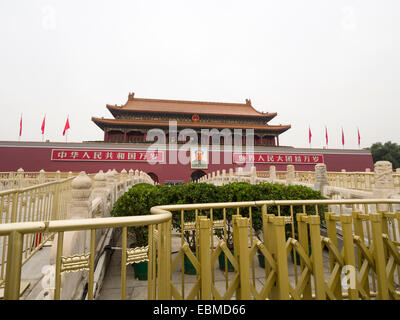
[376, 240]
[44, 202]
[160, 224]
[359, 236]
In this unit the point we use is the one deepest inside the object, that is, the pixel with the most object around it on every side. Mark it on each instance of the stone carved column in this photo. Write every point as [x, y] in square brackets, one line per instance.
[384, 185]
[253, 175]
[290, 175]
[272, 173]
[321, 179]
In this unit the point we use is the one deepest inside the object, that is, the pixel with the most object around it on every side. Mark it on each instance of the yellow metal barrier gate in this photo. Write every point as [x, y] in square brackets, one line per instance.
[357, 258]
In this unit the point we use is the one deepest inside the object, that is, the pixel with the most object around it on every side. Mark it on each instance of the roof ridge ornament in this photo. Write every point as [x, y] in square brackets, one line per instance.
[131, 96]
[248, 102]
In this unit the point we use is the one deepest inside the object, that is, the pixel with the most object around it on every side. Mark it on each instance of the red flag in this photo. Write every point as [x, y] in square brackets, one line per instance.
[359, 138]
[342, 137]
[20, 126]
[43, 124]
[326, 135]
[309, 134]
[66, 127]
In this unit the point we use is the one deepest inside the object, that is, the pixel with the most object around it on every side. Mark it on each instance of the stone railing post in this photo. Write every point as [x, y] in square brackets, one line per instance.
[272, 173]
[230, 179]
[136, 177]
[321, 179]
[75, 242]
[124, 178]
[253, 175]
[100, 190]
[80, 205]
[130, 177]
[58, 175]
[290, 174]
[69, 174]
[218, 178]
[41, 177]
[384, 185]
[223, 178]
[110, 185]
[20, 178]
[239, 173]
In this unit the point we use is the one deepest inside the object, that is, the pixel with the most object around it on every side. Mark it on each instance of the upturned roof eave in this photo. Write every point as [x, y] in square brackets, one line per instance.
[115, 110]
[101, 122]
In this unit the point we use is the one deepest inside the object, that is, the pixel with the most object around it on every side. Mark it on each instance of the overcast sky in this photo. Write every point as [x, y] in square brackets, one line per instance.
[315, 63]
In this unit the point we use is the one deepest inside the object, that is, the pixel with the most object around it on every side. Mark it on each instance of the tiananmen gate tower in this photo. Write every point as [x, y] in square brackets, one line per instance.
[203, 132]
[137, 116]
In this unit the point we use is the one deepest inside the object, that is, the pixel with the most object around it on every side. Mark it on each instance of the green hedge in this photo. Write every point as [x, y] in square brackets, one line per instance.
[140, 198]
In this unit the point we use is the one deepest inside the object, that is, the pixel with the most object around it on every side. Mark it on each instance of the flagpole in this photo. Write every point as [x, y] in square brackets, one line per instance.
[66, 132]
[20, 128]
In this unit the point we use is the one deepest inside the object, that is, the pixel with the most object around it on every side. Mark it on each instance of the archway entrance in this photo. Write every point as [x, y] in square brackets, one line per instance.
[153, 176]
[196, 175]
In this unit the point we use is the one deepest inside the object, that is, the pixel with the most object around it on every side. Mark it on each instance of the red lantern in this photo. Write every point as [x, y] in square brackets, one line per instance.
[195, 118]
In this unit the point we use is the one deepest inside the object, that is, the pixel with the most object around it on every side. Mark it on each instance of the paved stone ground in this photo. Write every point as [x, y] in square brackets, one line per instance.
[137, 289]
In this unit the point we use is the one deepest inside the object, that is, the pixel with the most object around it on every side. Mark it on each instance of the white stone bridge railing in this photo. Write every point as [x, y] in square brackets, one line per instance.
[382, 183]
[83, 196]
[23, 179]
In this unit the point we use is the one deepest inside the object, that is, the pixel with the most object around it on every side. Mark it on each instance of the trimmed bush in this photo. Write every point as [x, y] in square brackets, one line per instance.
[140, 198]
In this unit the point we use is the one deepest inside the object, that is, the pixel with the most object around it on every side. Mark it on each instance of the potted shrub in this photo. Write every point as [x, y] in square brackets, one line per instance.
[141, 240]
[137, 201]
[188, 194]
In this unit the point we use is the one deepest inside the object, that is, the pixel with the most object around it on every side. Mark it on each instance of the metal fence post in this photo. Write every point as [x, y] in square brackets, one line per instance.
[281, 257]
[13, 267]
[14, 209]
[379, 256]
[244, 267]
[205, 259]
[55, 215]
[164, 267]
[359, 231]
[303, 239]
[332, 235]
[349, 256]
[316, 249]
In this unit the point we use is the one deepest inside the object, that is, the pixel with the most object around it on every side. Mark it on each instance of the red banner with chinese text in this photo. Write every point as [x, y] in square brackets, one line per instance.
[284, 158]
[106, 155]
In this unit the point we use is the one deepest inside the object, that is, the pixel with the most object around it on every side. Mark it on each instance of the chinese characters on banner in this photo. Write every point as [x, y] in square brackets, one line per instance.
[106, 155]
[278, 158]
